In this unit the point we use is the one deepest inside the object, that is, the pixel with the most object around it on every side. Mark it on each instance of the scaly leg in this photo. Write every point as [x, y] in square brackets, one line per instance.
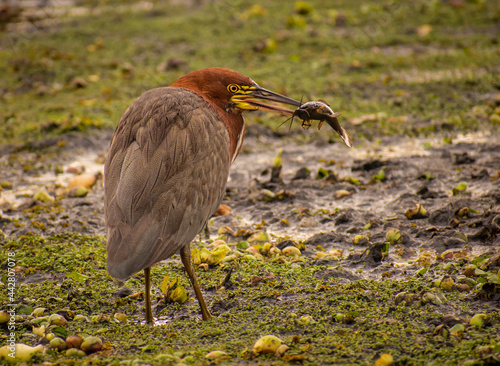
[186, 260]
[147, 295]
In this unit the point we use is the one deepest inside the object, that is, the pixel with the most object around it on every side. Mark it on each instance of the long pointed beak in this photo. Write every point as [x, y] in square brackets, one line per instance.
[255, 99]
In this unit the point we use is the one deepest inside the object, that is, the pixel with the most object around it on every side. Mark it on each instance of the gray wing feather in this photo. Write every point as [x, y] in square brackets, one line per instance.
[165, 175]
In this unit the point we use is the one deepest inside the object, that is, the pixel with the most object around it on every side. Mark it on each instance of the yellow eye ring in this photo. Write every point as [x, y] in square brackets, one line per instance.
[233, 88]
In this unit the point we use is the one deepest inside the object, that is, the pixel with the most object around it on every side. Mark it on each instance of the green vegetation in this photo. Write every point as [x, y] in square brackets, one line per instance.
[322, 320]
[412, 68]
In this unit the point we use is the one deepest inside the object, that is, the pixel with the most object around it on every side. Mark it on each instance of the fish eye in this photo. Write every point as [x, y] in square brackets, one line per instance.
[233, 88]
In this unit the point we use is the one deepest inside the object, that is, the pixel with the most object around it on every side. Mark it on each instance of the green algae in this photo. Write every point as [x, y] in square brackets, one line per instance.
[294, 302]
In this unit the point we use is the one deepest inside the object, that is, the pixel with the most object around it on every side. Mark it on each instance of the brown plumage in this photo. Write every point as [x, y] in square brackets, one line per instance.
[168, 177]
[167, 167]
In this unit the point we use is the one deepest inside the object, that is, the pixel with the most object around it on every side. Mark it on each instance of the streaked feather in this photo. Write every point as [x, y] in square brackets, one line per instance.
[165, 175]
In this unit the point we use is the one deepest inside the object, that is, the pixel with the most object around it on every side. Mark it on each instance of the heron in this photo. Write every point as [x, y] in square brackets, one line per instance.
[167, 167]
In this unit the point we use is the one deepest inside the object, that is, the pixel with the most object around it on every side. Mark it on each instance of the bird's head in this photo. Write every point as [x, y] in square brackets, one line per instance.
[234, 92]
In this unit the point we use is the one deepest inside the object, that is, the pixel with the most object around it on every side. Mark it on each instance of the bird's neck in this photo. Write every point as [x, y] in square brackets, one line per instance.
[236, 127]
[234, 122]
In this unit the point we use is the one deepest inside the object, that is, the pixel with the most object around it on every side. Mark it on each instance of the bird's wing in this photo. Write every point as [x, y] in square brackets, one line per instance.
[165, 175]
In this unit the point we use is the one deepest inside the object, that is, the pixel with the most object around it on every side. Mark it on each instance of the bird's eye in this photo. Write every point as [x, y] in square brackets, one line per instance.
[233, 88]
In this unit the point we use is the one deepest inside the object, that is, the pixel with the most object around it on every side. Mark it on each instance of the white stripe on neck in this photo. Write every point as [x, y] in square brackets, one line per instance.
[238, 144]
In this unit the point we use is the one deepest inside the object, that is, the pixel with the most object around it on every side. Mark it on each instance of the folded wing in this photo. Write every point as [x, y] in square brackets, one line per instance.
[165, 175]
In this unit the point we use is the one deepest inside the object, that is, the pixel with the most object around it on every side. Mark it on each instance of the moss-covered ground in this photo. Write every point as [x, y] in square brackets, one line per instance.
[417, 67]
[322, 320]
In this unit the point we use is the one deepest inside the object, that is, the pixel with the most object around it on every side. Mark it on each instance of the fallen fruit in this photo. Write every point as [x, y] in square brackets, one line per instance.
[56, 319]
[417, 212]
[478, 320]
[84, 180]
[122, 318]
[217, 255]
[22, 352]
[291, 251]
[91, 345]
[57, 344]
[74, 341]
[217, 356]
[384, 360]
[78, 192]
[266, 344]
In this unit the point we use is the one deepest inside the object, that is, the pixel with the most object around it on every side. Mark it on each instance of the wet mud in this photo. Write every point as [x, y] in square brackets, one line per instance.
[334, 199]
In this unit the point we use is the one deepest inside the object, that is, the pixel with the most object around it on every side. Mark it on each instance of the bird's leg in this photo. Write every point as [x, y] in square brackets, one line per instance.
[186, 260]
[147, 295]
[207, 231]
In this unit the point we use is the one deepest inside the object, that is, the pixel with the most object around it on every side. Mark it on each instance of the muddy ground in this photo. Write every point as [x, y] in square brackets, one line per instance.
[333, 203]
[326, 193]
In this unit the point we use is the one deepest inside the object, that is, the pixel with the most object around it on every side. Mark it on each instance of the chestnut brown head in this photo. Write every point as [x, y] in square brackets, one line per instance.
[233, 92]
